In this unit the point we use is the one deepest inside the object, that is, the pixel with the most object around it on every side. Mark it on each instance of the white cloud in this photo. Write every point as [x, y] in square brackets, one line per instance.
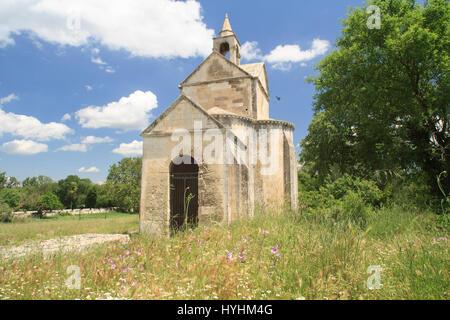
[109, 69]
[130, 149]
[88, 87]
[129, 113]
[283, 56]
[102, 64]
[148, 28]
[30, 127]
[66, 117]
[89, 170]
[23, 147]
[250, 51]
[8, 99]
[77, 147]
[95, 58]
[93, 140]
[293, 53]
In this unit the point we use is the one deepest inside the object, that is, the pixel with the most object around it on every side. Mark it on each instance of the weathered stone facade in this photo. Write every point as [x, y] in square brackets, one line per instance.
[223, 110]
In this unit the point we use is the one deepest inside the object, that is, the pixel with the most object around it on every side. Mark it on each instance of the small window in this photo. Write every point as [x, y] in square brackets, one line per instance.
[224, 49]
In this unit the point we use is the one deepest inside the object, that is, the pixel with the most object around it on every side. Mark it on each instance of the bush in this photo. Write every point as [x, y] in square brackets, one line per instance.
[354, 209]
[48, 201]
[412, 193]
[6, 213]
[367, 190]
[10, 196]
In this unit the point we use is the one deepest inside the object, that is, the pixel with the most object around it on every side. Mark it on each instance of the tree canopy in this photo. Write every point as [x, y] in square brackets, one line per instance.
[382, 96]
[124, 183]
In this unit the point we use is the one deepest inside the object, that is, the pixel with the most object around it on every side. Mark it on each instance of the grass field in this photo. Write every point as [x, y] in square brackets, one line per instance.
[60, 225]
[276, 255]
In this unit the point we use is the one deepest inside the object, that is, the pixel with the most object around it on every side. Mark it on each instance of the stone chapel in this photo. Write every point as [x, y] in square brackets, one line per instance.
[215, 155]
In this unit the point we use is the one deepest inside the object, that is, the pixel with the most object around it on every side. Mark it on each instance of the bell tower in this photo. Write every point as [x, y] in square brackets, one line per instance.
[227, 42]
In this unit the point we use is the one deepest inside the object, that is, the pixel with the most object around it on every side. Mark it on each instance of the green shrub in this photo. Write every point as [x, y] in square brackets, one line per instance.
[366, 189]
[10, 196]
[354, 209]
[6, 213]
[412, 193]
[48, 201]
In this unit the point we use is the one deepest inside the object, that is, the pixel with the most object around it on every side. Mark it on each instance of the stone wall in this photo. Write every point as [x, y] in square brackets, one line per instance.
[25, 214]
[233, 95]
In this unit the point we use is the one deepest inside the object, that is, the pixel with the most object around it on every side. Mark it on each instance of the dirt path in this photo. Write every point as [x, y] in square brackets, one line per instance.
[64, 244]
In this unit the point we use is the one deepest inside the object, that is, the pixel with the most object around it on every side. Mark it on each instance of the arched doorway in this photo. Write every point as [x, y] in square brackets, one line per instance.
[183, 194]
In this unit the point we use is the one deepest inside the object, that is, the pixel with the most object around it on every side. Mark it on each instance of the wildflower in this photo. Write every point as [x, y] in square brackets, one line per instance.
[139, 253]
[242, 255]
[127, 252]
[113, 266]
[230, 255]
[190, 249]
[265, 231]
[275, 251]
[229, 236]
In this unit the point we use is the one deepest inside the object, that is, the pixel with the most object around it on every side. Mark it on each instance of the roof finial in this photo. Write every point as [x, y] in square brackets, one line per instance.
[226, 28]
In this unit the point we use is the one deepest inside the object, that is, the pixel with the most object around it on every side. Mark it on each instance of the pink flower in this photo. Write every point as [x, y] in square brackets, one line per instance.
[127, 252]
[275, 251]
[242, 255]
[113, 266]
[230, 255]
[139, 253]
[229, 236]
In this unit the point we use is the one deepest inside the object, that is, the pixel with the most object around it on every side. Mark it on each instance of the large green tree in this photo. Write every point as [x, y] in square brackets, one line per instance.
[124, 183]
[382, 97]
[72, 191]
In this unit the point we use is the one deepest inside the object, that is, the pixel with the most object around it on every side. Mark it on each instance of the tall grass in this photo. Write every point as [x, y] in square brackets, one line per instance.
[278, 254]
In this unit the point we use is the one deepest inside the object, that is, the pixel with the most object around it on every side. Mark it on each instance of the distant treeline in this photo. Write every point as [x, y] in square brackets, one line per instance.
[121, 190]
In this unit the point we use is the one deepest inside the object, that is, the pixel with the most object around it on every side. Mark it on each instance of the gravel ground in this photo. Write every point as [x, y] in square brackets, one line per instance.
[64, 244]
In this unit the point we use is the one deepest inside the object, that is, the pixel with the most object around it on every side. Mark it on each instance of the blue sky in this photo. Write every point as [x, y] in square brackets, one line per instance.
[79, 80]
